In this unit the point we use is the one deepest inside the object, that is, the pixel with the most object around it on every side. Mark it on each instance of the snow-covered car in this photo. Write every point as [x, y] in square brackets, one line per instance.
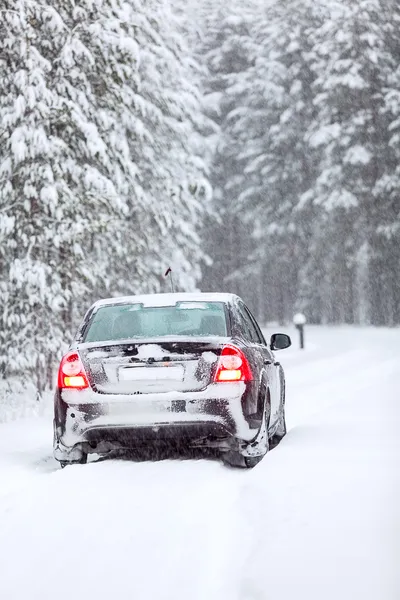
[191, 370]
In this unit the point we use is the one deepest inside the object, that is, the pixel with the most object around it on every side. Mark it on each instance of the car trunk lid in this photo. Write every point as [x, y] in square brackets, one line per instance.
[151, 366]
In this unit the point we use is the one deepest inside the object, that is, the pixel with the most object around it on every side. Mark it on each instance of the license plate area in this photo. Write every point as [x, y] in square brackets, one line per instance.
[151, 374]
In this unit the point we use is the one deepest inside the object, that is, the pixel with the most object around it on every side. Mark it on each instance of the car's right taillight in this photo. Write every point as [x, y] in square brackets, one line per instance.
[71, 374]
[232, 366]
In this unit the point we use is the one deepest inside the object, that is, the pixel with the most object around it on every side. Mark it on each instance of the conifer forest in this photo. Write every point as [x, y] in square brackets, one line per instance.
[252, 147]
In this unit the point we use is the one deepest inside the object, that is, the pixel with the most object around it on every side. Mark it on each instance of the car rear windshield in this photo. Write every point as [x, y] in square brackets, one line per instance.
[127, 321]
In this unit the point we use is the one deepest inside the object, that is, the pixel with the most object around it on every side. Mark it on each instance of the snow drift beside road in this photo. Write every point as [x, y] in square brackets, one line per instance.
[318, 519]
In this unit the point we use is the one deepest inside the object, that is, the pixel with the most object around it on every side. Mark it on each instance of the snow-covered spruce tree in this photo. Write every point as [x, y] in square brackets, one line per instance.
[146, 82]
[312, 135]
[261, 80]
[153, 95]
[56, 190]
[385, 261]
[98, 163]
[270, 121]
[350, 131]
[227, 43]
[168, 147]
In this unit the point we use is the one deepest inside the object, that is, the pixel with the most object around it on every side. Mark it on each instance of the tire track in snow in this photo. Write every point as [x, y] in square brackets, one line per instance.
[117, 528]
[340, 381]
[195, 530]
[328, 496]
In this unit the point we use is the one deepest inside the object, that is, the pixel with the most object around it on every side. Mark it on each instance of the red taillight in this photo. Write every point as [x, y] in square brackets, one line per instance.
[71, 374]
[232, 366]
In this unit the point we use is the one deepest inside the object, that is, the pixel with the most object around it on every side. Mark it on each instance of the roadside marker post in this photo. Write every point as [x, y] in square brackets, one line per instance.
[299, 321]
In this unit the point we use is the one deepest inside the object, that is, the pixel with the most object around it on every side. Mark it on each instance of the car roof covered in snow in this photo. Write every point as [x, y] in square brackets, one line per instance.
[167, 299]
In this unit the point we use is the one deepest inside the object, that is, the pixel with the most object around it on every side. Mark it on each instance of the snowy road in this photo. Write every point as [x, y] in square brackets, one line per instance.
[318, 519]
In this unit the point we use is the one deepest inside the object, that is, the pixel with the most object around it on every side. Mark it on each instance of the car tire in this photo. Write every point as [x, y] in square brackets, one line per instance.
[281, 429]
[234, 458]
[252, 461]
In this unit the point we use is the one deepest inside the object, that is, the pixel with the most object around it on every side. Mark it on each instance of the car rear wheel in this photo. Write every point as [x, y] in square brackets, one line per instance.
[235, 458]
[279, 435]
[252, 461]
[281, 429]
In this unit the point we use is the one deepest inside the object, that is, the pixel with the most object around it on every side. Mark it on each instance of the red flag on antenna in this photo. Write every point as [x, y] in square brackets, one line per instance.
[168, 271]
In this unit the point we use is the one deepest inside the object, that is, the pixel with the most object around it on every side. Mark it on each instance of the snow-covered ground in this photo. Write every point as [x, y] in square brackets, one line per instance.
[318, 519]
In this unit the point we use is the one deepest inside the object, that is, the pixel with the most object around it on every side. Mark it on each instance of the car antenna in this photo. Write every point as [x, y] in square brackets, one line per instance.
[169, 272]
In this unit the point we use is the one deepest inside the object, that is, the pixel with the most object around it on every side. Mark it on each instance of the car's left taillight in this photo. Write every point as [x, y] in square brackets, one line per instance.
[71, 374]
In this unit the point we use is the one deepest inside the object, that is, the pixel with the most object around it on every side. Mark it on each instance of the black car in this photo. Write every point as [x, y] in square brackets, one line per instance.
[191, 370]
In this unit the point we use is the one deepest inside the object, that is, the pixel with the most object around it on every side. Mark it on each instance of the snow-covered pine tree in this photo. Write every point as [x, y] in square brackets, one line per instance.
[102, 179]
[386, 262]
[350, 131]
[227, 43]
[311, 136]
[56, 190]
[168, 149]
[271, 119]
[262, 77]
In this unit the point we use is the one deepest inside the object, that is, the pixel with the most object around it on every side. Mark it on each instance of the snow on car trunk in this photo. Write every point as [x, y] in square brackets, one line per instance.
[149, 367]
[317, 519]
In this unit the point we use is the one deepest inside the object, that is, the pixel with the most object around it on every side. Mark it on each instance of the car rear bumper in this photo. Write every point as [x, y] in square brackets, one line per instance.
[100, 422]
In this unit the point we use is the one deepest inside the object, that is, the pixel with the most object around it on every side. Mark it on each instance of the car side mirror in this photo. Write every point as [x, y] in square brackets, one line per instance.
[280, 341]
